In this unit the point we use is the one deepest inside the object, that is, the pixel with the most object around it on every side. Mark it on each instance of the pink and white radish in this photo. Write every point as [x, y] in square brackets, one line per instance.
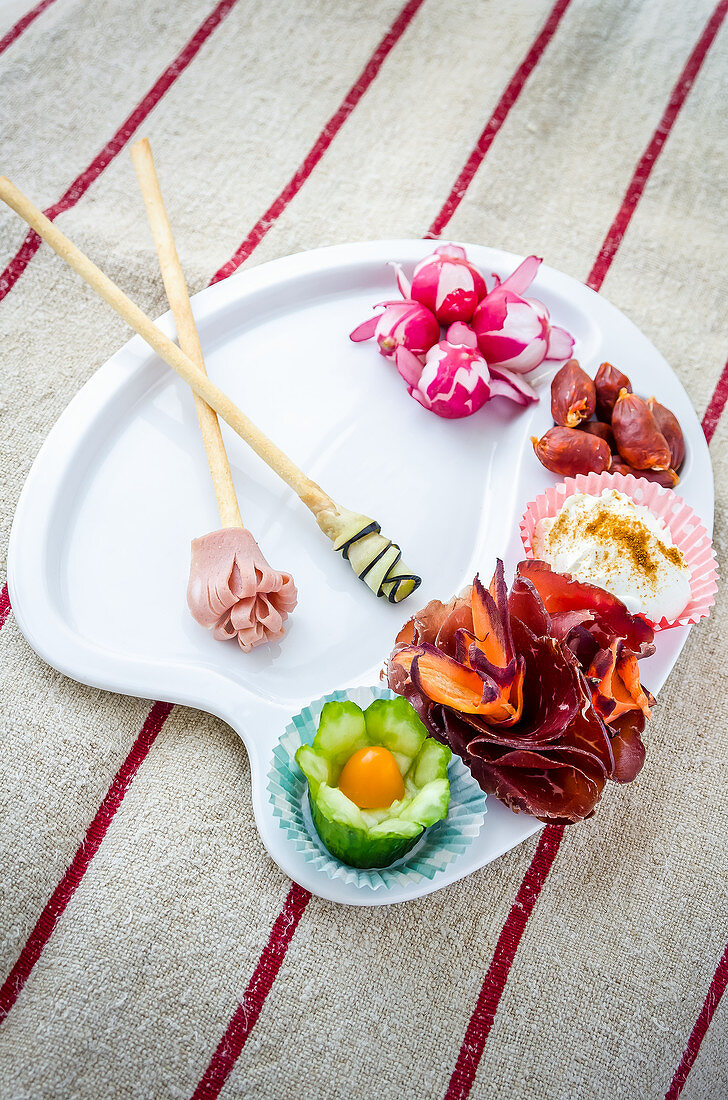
[446, 282]
[515, 332]
[505, 383]
[454, 380]
[405, 324]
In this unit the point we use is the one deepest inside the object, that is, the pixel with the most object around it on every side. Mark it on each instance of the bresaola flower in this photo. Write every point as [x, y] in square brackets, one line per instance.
[516, 332]
[446, 282]
[405, 324]
[537, 690]
[454, 377]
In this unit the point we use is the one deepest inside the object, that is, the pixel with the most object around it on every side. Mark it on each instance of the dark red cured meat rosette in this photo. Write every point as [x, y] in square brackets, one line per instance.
[538, 690]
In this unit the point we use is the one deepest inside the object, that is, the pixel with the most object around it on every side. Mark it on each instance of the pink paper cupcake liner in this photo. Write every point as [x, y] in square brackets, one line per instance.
[686, 528]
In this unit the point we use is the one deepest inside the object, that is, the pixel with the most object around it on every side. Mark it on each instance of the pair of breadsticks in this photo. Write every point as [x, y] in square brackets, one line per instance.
[232, 589]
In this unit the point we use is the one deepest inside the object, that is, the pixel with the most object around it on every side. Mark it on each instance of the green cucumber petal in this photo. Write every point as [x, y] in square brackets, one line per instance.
[313, 765]
[342, 732]
[395, 724]
[375, 817]
[430, 805]
[396, 827]
[430, 763]
[334, 805]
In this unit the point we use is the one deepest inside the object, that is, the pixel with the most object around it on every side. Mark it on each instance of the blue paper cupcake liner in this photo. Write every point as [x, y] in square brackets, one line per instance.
[439, 845]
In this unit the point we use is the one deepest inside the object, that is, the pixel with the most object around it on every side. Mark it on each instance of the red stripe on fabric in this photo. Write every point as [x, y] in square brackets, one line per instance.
[323, 141]
[88, 848]
[496, 977]
[651, 154]
[711, 1002]
[101, 161]
[259, 986]
[22, 24]
[496, 120]
[716, 405]
[4, 605]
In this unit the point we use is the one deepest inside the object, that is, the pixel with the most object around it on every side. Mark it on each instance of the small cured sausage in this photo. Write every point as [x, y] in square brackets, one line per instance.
[567, 451]
[573, 395]
[639, 440]
[608, 381]
[668, 424]
[604, 431]
[667, 478]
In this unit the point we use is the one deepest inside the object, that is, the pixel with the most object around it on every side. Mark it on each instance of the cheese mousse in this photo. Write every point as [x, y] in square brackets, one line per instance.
[610, 541]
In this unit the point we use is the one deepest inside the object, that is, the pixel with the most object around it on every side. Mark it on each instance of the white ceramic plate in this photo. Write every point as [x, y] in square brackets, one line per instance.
[99, 551]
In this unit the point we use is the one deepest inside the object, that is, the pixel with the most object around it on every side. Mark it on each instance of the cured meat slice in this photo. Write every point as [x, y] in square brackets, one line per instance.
[560, 592]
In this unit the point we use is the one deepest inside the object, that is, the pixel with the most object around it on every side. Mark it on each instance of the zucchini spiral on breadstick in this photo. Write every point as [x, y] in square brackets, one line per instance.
[375, 559]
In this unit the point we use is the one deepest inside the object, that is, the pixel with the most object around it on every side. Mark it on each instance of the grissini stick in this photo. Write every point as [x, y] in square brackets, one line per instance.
[232, 589]
[187, 336]
[374, 558]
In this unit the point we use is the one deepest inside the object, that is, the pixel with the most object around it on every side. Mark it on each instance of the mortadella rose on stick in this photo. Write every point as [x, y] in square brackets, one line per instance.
[234, 592]
[232, 589]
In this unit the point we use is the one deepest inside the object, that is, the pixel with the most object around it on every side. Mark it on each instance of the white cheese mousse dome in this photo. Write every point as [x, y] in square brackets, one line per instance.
[610, 541]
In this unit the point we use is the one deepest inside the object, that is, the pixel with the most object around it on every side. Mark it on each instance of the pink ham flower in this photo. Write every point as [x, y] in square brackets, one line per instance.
[405, 324]
[234, 592]
[446, 282]
[514, 332]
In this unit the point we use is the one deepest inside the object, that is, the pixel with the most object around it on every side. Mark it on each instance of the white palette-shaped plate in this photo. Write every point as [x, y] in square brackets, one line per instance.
[99, 552]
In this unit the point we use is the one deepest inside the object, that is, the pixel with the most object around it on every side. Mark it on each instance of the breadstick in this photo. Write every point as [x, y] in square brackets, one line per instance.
[189, 340]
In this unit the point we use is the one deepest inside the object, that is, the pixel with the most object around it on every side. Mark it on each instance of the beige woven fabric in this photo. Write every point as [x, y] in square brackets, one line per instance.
[136, 986]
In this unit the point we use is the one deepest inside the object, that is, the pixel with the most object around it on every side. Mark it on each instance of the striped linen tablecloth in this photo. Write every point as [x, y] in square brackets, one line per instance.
[148, 945]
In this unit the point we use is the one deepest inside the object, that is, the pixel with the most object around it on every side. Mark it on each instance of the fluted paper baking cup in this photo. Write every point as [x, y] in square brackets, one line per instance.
[686, 528]
[439, 845]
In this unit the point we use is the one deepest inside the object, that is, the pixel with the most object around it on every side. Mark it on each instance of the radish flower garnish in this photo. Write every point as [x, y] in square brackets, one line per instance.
[454, 381]
[516, 332]
[510, 384]
[446, 282]
[403, 324]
